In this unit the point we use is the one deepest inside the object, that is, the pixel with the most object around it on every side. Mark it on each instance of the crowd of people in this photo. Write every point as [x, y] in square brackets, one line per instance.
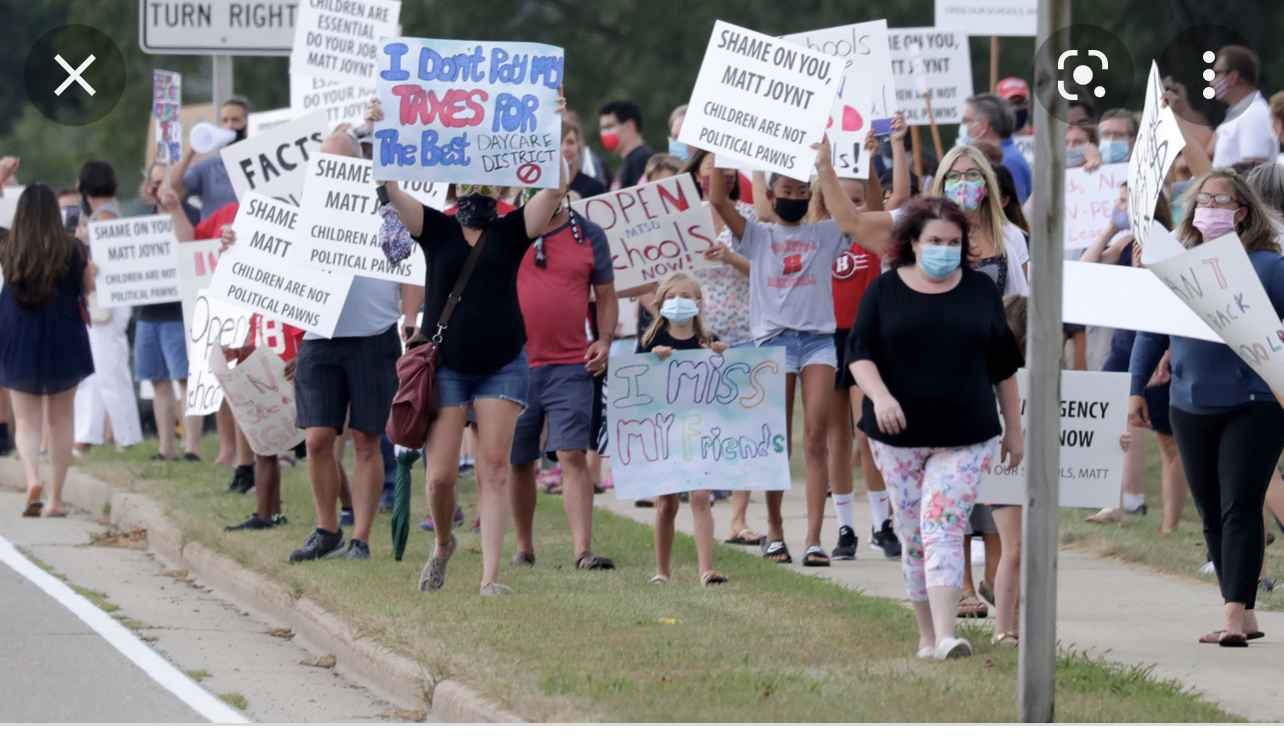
[864, 284]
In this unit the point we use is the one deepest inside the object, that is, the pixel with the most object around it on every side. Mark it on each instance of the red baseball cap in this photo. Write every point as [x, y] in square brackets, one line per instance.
[1014, 87]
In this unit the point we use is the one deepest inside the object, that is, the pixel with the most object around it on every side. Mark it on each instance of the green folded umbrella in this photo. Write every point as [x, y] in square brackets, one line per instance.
[401, 502]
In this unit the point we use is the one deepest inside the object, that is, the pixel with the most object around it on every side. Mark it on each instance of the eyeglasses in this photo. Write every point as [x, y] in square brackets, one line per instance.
[482, 189]
[972, 175]
[1204, 198]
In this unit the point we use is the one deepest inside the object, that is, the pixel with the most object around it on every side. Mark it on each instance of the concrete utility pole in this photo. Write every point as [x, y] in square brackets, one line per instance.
[1037, 674]
[222, 87]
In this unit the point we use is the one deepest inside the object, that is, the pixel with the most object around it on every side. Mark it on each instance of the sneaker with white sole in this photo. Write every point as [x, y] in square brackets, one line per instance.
[952, 648]
[847, 542]
[884, 539]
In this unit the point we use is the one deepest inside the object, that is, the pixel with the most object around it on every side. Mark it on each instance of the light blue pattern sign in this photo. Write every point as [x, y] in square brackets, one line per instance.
[698, 421]
[468, 112]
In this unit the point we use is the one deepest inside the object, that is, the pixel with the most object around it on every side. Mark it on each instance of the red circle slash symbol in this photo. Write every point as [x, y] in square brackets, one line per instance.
[528, 173]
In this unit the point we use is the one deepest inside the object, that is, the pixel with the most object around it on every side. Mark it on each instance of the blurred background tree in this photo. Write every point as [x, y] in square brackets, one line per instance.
[647, 50]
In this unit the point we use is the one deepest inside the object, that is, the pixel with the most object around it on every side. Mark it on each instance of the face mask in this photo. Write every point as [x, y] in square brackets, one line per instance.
[240, 135]
[1220, 87]
[679, 310]
[1213, 222]
[1113, 152]
[611, 141]
[680, 150]
[1074, 156]
[476, 211]
[939, 262]
[1022, 117]
[965, 136]
[728, 181]
[789, 210]
[967, 195]
[1120, 219]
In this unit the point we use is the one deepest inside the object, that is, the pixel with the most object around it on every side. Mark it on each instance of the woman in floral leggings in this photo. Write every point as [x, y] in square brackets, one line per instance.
[931, 348]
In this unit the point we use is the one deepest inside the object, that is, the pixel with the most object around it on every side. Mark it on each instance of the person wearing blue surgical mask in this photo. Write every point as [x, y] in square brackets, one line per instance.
[1116, 133]
[932, 350]
[676, 118]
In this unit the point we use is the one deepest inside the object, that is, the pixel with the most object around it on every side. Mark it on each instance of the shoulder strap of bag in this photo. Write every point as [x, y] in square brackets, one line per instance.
[458, 291]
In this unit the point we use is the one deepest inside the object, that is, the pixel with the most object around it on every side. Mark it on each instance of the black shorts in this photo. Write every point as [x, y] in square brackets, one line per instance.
[336, 374]
[843, 378]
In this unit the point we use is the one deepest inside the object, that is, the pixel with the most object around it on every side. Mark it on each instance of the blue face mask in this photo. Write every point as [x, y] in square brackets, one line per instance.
[1120, 219]
[939, 262]
[679, 310]
[679, 150]
[1113, 152]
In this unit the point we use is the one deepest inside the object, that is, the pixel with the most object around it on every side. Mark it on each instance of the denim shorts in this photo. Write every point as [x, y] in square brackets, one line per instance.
[564, 396]
[512, 382]
[160, 351]
[804, 349]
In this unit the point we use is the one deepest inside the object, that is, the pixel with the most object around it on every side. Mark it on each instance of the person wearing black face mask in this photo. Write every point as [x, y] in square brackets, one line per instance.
[208, 178]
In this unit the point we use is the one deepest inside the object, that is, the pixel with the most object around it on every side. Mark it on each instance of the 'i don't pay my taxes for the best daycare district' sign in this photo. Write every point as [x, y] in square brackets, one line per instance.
[469, 112]
[762, 100]
[136, 259]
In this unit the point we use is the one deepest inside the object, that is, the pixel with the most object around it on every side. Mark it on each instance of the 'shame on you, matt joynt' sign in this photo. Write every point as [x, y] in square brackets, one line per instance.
[469, 112]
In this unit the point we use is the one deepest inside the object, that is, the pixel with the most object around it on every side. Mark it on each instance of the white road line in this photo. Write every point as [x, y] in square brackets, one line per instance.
[151, 663]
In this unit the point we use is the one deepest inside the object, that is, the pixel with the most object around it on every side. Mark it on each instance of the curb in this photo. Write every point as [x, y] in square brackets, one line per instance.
[364, 658]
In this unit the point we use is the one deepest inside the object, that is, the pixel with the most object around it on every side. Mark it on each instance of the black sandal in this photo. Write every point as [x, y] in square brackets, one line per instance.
[776, 550]
[816, 557]
[590, 561]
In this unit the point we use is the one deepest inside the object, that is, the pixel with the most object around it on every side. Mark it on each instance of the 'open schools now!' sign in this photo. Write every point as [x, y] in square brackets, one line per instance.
[469, 112]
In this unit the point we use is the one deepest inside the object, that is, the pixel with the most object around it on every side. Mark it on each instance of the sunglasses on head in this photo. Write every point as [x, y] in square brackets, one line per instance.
[482, 189]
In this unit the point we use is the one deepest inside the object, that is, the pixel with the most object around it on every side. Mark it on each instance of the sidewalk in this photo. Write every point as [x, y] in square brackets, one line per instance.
[1102, 607]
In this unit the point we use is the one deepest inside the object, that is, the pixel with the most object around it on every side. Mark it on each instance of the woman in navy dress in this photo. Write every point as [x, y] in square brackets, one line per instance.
[44, 341]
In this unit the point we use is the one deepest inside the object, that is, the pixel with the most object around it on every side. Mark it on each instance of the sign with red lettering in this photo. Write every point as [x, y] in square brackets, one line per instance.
[274, 163]
[655, 229]
[469, 112]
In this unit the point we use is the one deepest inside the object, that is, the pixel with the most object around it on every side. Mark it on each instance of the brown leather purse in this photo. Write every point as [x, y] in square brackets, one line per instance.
[418, 402]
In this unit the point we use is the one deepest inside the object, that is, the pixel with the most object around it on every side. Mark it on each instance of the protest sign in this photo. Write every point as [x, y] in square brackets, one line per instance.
[343, 102]
[1090, 202]
[256, 123]
[339, 221]
[274, 163]
[945, 64]
[1124, 298]
[435, 92]
[698, 421]
[337, 39]
[8, 206]
[989, 17]
[654, 229]
[1159, 140]
[431, 194]
[261, 400]
[167, 103]
[137, 263]
[762, 100]
[1218, 283]
[214, 325]
[196, 262]
[261, 273]
[1094, 416]
[867, 91]
[1026, 144]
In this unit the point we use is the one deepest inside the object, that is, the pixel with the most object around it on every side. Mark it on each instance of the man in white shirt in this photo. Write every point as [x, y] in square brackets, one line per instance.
[1246, 134]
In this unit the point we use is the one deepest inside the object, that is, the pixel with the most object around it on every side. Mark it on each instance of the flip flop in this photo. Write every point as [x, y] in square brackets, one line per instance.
[713, 577]
[1255, 635]
[56, 515]
[752, 538]
[590, 561]
[523, 559]
[816, 557]
[433, 576]
[1233, 639]
[33, 509]
[776, 547]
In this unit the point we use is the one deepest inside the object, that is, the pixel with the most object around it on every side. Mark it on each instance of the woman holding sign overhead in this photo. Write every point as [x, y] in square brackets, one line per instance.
[484, 357]
[1228, 424]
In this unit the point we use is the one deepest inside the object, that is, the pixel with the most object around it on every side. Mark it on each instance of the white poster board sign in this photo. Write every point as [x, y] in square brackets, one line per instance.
[196, 263]
[336, 39]
[1094, 416]
[1126, 298]
[8, 206]
[654, 229]
[1159, 140]
[1090, 202]
[260, 273]
[989, 17]
[257, 123]
[945, 64]
[867, 92]
[698, 421]
[762, 100]
[137, 261]
[215, 325]
[432, 194]
[339, 219]
[261, 400]
[1026, 144]
[343, 102]
[274, 162]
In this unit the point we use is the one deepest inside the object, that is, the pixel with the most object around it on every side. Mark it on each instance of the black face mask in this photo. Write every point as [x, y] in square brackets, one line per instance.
[476, 211]
[791, 211]
[1022, 117]
[240, 135]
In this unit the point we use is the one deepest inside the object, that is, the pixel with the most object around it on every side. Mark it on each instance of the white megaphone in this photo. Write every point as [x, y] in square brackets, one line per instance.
[206, 137]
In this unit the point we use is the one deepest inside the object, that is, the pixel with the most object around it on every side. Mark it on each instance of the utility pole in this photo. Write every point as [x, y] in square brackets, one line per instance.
[222, 87]
[1037, 669]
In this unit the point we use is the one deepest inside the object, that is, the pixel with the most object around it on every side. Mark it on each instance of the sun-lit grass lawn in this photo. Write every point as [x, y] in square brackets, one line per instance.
[605, 645]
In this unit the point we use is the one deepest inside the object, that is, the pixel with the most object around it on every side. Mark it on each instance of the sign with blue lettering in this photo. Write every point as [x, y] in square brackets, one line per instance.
[468, 112]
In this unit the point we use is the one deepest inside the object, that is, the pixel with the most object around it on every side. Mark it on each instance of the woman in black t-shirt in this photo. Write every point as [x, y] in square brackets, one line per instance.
[483, 350]
[930, 344]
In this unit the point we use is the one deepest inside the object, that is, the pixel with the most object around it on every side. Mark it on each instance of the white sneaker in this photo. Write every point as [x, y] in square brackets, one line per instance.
[953, 647]
[927, 653]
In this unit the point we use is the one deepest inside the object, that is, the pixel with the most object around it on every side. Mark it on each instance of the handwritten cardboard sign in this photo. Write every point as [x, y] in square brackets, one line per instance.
[215, 325]
[261, 400]
[167, 103]
[343, 102]
[274, 162]
[336, 39]
[698, 421]
[761, 100]
[1090, 203]
[1159, 140]
[944, 64]
[469, 112]
[655, 229]
[136, 261]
